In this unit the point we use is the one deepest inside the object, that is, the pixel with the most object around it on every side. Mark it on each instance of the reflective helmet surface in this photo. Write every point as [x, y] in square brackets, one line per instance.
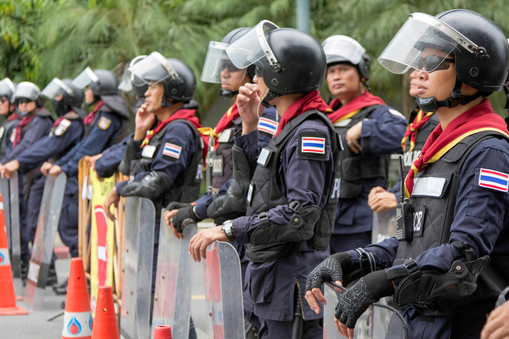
[107, 83]
[343, 49]
[184, 87]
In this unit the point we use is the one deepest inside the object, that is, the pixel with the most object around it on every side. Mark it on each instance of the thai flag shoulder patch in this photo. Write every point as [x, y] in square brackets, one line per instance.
[267, 126]
[494, 180]
[313, 145]
[172, 151]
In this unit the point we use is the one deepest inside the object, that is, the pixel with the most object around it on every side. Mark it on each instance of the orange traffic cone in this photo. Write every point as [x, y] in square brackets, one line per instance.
[7, 296]
[78, 317]
[162, 332]
[105, 323]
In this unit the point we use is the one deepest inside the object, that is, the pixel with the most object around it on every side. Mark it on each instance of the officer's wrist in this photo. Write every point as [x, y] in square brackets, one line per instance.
[228, 230]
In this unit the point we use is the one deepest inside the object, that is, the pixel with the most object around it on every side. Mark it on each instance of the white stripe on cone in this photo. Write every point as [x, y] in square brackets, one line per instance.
[77, 325]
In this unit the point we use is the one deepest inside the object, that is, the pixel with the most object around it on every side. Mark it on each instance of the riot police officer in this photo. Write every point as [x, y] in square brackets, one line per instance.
[105, 126]
[370, 131]
[420, 126]
[290, 214]
[8, 110]
[437, 268]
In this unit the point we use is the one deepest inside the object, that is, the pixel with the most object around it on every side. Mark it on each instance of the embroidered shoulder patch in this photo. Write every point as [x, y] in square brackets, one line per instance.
[104, 123]
[312, 145]
[172, 150]
[494, 180]
[2, 131]
[62, 127]
[396, 113]
[267, 126]
[13, 135]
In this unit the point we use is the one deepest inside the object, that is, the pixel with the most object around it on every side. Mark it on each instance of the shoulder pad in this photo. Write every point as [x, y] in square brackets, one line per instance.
[71, 115]
[43, 112]
[396, 113]
[116, 105]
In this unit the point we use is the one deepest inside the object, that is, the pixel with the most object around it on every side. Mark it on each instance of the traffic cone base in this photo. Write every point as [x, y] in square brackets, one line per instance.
[16, 310]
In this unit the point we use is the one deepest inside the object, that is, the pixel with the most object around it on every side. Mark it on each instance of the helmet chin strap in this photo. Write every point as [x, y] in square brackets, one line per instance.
[269, 95]
[227, 94]
[432, 105]
[166, 103]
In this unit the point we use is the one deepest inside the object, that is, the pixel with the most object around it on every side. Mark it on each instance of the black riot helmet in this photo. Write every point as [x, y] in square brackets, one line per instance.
[340, 49]
[479, 47]
[72, 96]
[7, 88]
[217, 61]
[30, 91]
[127, 85]
[176, 76]
[101, 81]
[290, 61]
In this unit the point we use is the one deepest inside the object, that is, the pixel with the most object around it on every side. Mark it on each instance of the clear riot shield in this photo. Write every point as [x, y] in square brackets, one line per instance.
[15, 234]
[172, 299]
[42, 251]
[138, 256]
[6, 199]
[378, 322]
[384, 226]
[223, 292]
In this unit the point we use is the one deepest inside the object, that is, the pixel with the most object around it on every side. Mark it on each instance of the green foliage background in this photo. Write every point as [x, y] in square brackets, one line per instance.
[42, 39]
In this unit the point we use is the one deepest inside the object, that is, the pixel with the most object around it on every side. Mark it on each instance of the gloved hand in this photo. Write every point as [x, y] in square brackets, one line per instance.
[357, 299]
[331, 269]
[185, 211]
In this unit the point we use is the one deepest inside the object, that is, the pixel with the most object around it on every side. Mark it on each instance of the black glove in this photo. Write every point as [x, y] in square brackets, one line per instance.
[357, 299]
[331, 269]
[185, 211]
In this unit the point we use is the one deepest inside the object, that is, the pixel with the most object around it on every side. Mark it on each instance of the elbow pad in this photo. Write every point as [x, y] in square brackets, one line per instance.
[234, 202]
[152, 186]
[300, 228]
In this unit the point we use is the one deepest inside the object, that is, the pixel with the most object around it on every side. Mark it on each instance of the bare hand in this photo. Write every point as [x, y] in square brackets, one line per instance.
[112, 199]
[314, 294]
[55, 171]
[168, 215]
[144, 121]
[93, 160]
[200, 241]
[379, 200]
[46, 167]
[247, 103]
[497, 326]
[353, 135]
[7, 169]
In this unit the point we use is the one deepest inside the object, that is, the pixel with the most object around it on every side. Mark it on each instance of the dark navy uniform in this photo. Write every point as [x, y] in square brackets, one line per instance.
[6, 132]
[382, 131]
[60, 140]
[478, 219]
[270, 283]
[107, 165]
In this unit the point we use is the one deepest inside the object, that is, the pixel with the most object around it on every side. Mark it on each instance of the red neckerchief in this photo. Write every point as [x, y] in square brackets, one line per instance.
[89, 118]
[187, 114]
[309, 102]
[227, 118]
[477, 119]
[411, 131]
[13, 116]
[56, 123]
[25, 121]
[364, 100]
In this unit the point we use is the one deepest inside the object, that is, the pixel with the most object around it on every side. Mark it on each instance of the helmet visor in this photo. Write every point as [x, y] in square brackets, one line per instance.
[252, 46]
[26, 90]
[153, 69]
[339, 48]
[421, 31]
[85, 78]
[7, 88]
[56, 87]
[217, 63]
[126, 84]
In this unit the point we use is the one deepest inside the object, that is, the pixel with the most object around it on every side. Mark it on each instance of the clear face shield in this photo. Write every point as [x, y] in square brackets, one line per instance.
[7, 87]
[85, 78]
[126, 83]
[218, 68]
[422, 32]
[56, 88]
[339, 48]
[152, 69]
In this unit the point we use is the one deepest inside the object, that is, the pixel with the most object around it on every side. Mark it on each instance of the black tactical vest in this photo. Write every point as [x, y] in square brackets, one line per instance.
[422, 135]
[6, 126]
[189, 191]
[222, 167]
[433, 216]
[120, 135]
[264, 193]
[355, 168]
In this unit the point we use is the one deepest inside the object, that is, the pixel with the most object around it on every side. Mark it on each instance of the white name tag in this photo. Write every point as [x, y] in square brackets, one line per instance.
[2, 131]
[148, 151]
[225, 136]
[33, 271]
[263, 158]
[342, 123]
[428, 187]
